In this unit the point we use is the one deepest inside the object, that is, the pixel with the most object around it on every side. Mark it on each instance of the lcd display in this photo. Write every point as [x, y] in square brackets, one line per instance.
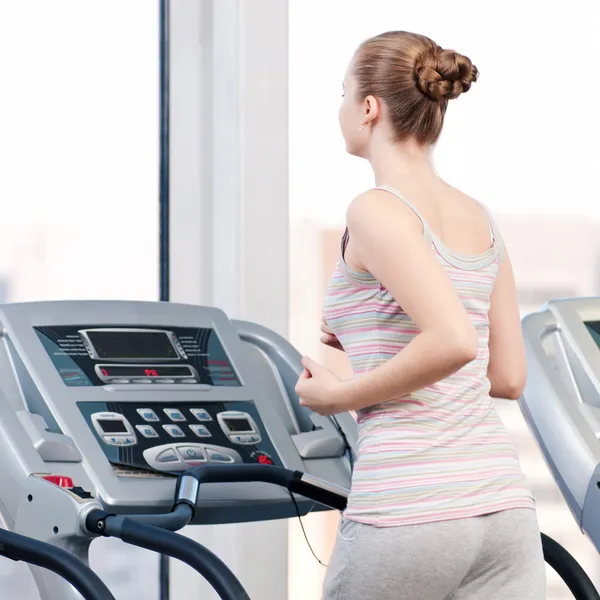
[594, 328]
[131, 345]
[142, 371]
[238, 425]
[112, 426]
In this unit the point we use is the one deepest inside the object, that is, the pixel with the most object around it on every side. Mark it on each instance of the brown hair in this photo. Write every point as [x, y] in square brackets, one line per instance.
[415, 78]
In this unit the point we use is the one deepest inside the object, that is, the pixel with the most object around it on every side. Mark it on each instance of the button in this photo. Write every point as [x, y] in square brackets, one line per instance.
[128, 440]
[187, 381]
[191, 453]
[164, 380]
[174, 414]
[245, 439]
[113, 440]
[118, 380]
[167, 456]
[264, 460]
[200, 430]
[142, 380]
[219, 457]
[201, 414]
[173, 431]
[148, 415]
[147, 431]
[59, 480]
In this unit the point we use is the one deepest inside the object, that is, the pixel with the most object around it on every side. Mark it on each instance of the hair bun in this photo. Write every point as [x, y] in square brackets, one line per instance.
[444, 74]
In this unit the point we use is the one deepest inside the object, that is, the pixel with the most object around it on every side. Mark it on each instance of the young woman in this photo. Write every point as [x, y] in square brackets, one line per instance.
[423, 302]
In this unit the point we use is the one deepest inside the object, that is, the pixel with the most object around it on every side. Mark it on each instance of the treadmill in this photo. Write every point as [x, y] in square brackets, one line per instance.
[134, 419]
[561, 401]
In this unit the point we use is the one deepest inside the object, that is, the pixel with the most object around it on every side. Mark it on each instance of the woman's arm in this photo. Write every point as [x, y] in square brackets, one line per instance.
[388, 242]
[507, 369]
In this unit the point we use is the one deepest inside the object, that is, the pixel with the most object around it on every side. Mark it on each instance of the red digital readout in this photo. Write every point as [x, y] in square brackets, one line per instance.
[151, 373]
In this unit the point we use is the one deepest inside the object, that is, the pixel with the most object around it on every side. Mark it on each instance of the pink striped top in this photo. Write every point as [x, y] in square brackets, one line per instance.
[442, 452]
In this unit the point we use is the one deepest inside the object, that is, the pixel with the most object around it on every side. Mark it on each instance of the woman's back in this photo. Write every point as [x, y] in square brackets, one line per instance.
[439, 452]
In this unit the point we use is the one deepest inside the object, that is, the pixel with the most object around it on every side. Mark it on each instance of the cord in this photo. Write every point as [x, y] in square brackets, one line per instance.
[304, 530]
[346, 443]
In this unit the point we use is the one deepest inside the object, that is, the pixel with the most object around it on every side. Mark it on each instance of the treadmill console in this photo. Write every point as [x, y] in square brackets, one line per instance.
[164, 435]
[561, 400]
[122, 396]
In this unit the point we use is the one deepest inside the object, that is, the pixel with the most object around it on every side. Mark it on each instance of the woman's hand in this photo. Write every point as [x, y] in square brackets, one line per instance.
[319, 389]
[329, 338]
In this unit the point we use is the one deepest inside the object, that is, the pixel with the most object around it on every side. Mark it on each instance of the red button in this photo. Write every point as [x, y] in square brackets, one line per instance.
[264, 460]
[59, 480]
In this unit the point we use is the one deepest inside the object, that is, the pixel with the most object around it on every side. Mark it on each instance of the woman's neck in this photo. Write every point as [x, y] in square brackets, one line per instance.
[392, 162]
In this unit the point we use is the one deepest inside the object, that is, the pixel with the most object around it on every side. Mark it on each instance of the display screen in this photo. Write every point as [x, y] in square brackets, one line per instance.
[131, 345]
[153, 371]
[238, 425]
[94, 354]
[112, 426]
[594, 328]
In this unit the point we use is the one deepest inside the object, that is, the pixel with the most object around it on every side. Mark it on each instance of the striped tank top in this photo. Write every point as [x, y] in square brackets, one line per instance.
[442, 452]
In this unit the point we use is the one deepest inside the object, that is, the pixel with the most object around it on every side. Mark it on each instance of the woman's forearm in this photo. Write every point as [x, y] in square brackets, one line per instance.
[428, 358]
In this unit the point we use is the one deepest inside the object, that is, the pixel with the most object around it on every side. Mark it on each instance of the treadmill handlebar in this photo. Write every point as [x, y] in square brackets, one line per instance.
[41, 554]
[156, 539]
[294, 481]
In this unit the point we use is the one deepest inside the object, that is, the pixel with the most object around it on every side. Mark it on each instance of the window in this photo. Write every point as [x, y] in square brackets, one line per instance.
[79, 115]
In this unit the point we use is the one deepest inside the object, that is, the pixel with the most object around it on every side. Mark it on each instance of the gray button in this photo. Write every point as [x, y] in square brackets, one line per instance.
[218, 457]
[201, 414]
[113, 440]
[128, 441]
[187, 381]
[167, 456]
[200, 430]
[191, 453]
[142, 381]
[147, 431]
[164, 380]
[173, 431]
[174, 414]
[148, 415]
[118, 380]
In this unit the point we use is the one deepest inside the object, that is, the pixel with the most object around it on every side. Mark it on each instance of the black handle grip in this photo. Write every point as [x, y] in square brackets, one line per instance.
[569, 570]
[197, 556]
[294, 481]
[242, 474]
[57, 560]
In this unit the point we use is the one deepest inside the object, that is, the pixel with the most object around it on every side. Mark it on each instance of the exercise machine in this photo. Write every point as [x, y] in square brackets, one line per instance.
[105, 403]
[136, 407]
[561, 401]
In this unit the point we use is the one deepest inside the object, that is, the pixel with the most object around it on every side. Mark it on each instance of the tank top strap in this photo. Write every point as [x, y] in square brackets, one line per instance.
[497, 240]
[426, 230]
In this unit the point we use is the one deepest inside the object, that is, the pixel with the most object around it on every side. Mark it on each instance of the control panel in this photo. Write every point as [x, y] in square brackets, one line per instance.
[124, 396]
[173, 437]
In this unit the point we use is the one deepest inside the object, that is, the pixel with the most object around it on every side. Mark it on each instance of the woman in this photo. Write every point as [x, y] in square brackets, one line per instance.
[423, 302]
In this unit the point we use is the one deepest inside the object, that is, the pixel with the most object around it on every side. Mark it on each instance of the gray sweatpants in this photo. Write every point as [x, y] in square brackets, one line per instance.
[493, 557]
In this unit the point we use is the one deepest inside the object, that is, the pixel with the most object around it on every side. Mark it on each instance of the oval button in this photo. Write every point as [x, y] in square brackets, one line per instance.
[167, 456]
[191, 452]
